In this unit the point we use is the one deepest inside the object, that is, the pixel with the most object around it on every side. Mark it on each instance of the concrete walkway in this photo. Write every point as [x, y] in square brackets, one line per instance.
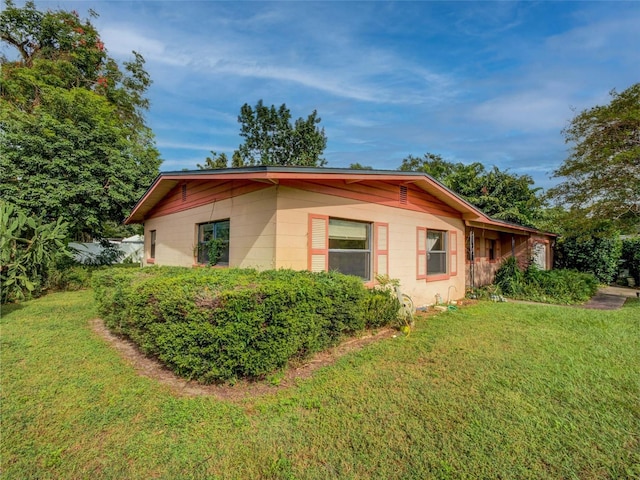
[610, 298]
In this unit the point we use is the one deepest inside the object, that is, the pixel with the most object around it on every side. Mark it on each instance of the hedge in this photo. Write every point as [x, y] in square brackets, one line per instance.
[594, 252]
[631, 257]
[223, 324]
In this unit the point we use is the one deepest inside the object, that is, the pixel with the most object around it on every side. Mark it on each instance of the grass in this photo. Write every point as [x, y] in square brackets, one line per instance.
[490, 391]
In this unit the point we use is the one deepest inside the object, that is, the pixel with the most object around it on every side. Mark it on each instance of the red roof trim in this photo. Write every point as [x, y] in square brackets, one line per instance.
[167, 181]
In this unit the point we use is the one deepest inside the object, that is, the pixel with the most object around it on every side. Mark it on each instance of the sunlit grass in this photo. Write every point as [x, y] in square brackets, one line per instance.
[490, 391]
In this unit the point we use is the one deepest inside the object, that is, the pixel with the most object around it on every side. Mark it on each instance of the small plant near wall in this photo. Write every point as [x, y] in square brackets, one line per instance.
[212, 250]
[215, 247]
[403, 305]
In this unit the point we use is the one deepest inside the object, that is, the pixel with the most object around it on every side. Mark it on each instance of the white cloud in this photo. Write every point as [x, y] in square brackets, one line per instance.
[385, 80]
[481, 20]
[601, 38]
[360, 72]
[359, 122]
[568, 71]
[122, 39]
[525, 111]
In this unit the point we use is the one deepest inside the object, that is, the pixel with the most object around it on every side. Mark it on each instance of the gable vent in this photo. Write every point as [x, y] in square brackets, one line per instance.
[184, 192]
[403, 194]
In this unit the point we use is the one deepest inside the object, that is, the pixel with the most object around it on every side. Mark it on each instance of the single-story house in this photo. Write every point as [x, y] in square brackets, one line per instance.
[362, 222]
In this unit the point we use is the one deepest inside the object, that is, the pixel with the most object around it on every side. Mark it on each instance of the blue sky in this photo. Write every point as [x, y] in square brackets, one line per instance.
[494, 82]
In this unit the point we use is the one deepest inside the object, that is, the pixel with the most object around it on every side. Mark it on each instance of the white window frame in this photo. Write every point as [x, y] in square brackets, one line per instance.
[366, 252]
[444, 240]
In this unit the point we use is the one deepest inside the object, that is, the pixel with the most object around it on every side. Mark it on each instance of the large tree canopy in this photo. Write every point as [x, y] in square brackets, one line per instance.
[503, 195]
[602, 173]
[271, 139]
[73, 139]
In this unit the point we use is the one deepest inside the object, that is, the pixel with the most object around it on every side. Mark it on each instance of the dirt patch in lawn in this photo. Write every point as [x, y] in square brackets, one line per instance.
[152, 368]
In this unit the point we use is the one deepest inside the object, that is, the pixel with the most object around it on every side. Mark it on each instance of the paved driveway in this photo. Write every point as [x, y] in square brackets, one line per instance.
[611, 298]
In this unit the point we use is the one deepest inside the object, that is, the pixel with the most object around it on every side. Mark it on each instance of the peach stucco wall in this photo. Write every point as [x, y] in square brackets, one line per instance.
[252, 232]
[294, 207]
[269, 229]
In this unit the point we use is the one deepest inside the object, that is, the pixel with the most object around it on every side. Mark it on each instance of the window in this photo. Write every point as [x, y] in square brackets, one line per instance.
[350, 247]
[436, 252]
[491, 250]
[152, 253]
[213, 243]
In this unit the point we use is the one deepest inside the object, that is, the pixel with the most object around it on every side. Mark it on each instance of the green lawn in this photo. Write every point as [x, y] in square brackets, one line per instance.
[497, 390]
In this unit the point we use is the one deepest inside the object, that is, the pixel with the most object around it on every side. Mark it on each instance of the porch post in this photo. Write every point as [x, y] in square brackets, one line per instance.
[472, 253]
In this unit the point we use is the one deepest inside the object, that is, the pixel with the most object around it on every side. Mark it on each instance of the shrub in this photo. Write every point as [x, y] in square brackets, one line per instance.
[593, 252]
[381, 308]
[559, 286]
[218, 325]
[552, 286]
[631, 257]
[28, 251]
[509, 278]
[70, 278]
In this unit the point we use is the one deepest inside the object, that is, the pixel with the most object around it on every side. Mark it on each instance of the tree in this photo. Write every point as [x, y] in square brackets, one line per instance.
[73, 139]
[602, 173]
[503, 195]
[215, 161]
[432, 164]
[270, 139]
[358, 166]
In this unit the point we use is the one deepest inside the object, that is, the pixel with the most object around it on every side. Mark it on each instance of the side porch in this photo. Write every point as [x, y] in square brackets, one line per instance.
[487, 245]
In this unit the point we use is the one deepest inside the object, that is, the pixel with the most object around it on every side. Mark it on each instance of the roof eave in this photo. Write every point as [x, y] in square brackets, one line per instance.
[164, 182]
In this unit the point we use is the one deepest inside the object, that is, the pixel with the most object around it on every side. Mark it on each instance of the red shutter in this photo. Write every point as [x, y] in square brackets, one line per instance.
[453, 252]
[381, 249]
[318, 243]
[421, 253]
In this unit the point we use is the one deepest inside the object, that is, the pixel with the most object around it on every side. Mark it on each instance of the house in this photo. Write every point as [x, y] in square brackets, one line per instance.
[360, 222]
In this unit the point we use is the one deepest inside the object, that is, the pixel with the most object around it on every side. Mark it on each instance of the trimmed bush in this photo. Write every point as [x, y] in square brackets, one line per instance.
[549, 286]
[219, 325]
